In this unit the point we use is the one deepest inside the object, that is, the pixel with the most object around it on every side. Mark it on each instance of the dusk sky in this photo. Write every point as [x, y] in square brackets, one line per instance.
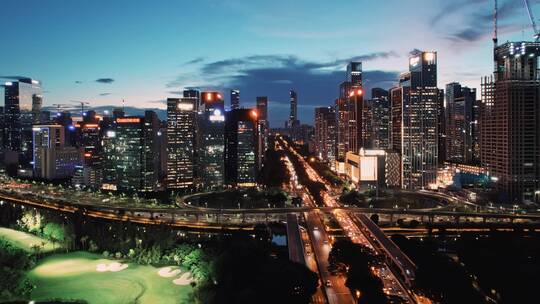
[145, 51]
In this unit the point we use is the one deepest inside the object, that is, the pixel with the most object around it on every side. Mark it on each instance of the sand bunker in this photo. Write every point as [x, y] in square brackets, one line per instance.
[168, 272]
[113, 267]
[185, 279]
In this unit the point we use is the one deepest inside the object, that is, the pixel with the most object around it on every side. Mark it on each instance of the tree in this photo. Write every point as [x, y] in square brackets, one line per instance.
[375, 218]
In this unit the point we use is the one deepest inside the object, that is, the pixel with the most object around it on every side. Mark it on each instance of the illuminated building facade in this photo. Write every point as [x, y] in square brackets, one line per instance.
[210, 140]
[241, 141]
[351, 113]
[23, 101]
[510, 122]
[130, 163]
[52, 159]
[380, 119]
[420, 102]
[235, 99]
[372, 167]
[460, 122]
[325, 134]
[263, 128]
[181, 119]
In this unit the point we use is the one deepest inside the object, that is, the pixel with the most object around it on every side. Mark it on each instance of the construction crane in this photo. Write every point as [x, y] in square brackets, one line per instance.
[82, 103]
[60, 106]
[533, 23]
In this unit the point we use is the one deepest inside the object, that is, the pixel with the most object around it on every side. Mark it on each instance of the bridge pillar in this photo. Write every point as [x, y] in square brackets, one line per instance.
[243, 217]
[266, 217]
[431, 218]
[511, 220]
[391, 218]
[456, 219]
[421, 219]
[484, 220]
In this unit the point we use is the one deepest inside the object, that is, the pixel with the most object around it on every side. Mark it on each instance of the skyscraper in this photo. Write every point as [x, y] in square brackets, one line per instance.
[235, 99]
[419, 148]
[210, 140]
[52, 159]
[241, 149]
[293, 113]
[353, 79]
[380, 120]
[325, 134]
[396, 101]
[352, 114]
[263, 127]
[130, 163]
[510, 122]
[23, 100]
[460, 103]
[181, 119]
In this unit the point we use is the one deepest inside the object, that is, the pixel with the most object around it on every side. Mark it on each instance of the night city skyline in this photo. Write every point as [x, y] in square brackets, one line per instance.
[144, 53]
[239, 152]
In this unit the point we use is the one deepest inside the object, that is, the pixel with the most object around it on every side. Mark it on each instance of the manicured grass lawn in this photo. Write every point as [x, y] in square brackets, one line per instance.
[74, 276]
[25, 240]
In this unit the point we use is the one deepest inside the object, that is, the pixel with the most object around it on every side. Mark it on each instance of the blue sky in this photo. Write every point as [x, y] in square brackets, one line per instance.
[146, 51]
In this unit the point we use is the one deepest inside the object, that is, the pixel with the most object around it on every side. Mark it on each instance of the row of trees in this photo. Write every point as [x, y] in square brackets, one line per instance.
[14, 263]
[245, 272]
[438, 276]
[355, 261]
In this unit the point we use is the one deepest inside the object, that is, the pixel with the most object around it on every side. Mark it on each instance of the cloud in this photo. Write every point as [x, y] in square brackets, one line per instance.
[195, 61]
[477, 18]
[78, 82]
[317, 83]
[104, 80]
[104, 94]
[176, 92]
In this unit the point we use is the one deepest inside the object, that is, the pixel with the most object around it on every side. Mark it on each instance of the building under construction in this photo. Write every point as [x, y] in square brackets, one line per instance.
[510, 122]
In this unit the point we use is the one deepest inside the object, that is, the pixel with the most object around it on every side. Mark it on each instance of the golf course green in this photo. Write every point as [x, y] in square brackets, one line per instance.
[85, 276]
[26, 241]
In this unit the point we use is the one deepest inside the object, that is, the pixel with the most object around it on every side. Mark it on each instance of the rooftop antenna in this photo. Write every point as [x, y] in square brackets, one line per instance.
[533, 23]
[495, 25]
[123, 105]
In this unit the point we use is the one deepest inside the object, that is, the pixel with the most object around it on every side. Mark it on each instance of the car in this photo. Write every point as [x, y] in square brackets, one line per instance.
[328, 283]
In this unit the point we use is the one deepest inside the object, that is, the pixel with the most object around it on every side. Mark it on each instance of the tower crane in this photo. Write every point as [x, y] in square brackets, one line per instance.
[533, 23]
[82, 103]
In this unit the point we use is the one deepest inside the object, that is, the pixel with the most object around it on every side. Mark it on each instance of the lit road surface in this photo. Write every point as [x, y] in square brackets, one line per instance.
[337, 292]
[392, 285]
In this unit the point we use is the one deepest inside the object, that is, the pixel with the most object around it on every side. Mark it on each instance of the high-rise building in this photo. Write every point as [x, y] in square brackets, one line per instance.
[23, 100]
[52, 159]
[241, 141]
[263, 127]
[460, 103]
[130, 163]
[325, 134]
[510, 122]
[192, 93]
[352, 114]
[353, 79]
[293, 113]
[235, 99]
[380, 120]
[210, 140]
[420, 138]
[181, 119]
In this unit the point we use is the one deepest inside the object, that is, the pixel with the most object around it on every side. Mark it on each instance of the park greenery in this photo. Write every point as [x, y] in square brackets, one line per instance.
[14, 263]
[206, 257]
[354, 261]
[274, 172]
[240, 198]
[438, 276]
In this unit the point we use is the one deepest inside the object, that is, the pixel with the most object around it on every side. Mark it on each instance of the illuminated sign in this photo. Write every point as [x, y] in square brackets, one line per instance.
[185, 106]
[414, 61]
[216, 116]
[90, 126]
[368, 168]
[9, 83]
[111, 134]
[429, 56]
[128, 120]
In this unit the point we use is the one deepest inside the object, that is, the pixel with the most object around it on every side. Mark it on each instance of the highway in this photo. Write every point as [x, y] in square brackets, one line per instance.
[356, 232]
